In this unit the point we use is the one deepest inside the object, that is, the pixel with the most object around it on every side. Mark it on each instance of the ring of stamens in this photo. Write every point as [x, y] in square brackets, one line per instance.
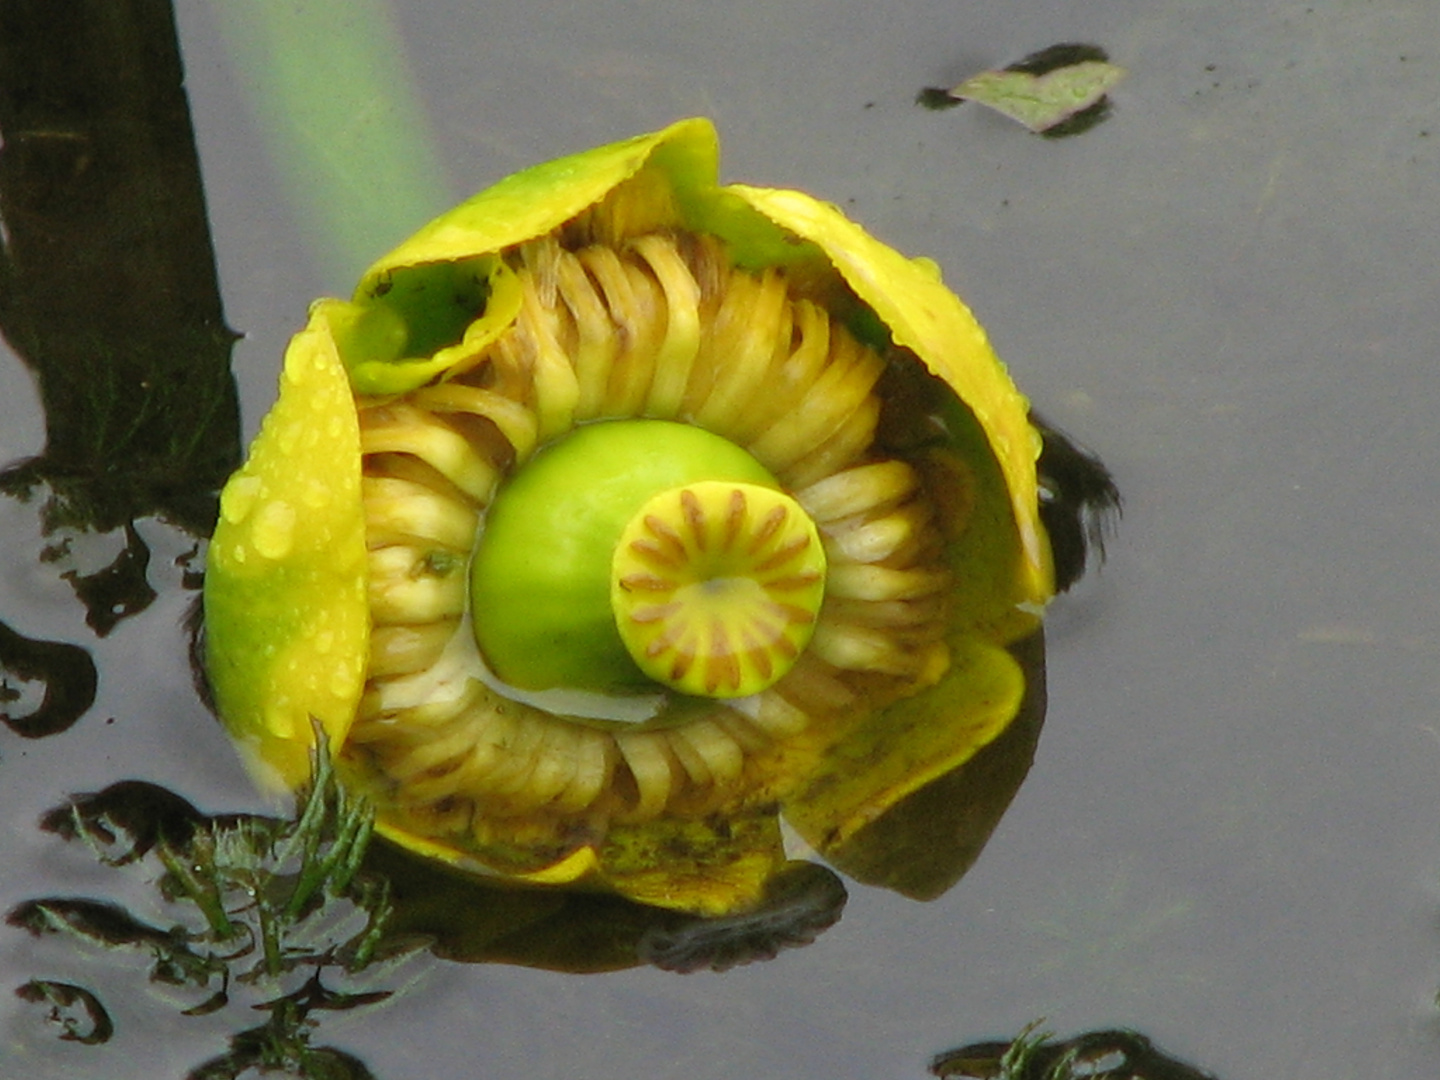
[658, 325]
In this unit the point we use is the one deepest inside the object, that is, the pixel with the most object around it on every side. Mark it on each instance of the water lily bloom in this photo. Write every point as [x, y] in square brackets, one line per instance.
[621, 515]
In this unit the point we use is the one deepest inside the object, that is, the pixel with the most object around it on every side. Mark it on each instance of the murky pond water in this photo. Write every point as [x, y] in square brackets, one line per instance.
[1230, 838]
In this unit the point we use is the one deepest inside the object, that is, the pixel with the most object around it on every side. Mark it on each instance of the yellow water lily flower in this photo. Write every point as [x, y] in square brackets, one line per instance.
[621, 514]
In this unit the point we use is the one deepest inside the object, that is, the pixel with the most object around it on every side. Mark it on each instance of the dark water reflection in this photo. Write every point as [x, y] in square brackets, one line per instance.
[110, 294]
[1228, 838]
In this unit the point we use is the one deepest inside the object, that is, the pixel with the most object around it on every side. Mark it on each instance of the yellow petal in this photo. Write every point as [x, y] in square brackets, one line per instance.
[704, 867]
[286, 622]
[847, 808]
[926, 317]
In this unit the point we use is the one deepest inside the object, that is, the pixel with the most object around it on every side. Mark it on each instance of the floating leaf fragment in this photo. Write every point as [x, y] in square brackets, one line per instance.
[1056, 91]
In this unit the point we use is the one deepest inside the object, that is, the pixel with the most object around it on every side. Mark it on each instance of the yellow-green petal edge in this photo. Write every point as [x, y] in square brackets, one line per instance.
[286, 618]
[903, 748]
[537, 200]
[926, 317]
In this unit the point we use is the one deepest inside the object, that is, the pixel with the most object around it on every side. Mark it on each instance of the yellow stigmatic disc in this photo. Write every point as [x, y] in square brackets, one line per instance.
[716, 587]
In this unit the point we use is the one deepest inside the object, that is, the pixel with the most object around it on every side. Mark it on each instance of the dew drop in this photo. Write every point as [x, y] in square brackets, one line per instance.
[316, 495]
[342, 681]
[273, 531]
[238, 498]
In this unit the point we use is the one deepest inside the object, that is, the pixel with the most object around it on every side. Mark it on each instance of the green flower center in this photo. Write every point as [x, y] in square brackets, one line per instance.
[639, 550]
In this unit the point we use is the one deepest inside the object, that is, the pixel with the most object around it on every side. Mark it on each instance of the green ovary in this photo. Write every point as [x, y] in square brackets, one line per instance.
[540, 579]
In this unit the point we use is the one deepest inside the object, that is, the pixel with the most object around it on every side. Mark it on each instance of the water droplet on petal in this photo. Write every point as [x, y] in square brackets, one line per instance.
[273, 531]
[238, 498]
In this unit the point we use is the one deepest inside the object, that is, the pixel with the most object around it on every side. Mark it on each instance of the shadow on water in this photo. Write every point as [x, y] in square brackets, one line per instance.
[66, 677]
[302, 916]
[1035, 1055]
[108, 289]
[296, 918]
[108, 293]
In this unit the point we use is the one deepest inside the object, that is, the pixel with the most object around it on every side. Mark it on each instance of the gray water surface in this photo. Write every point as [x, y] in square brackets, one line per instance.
[1230, 839]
